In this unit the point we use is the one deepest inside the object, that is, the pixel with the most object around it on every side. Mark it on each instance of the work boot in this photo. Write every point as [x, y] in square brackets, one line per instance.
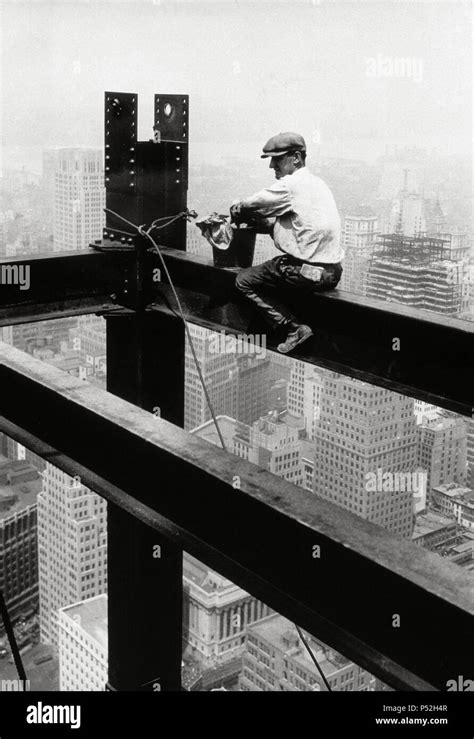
[300, 334]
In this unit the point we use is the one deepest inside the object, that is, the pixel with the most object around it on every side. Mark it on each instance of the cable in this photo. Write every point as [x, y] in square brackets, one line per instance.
[141, 230]
[313, 657]
[12, 640]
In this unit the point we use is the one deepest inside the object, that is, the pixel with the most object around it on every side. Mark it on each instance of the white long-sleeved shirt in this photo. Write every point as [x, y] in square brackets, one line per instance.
[307, 222]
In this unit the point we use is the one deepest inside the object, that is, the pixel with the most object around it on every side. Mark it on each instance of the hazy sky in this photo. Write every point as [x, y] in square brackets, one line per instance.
[251, 69]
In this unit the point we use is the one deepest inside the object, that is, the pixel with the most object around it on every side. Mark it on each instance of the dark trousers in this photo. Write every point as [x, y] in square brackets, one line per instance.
[269, 284]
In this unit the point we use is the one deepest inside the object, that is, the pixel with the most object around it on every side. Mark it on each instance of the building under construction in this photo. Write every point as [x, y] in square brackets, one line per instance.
[320, 565]
[418, 272]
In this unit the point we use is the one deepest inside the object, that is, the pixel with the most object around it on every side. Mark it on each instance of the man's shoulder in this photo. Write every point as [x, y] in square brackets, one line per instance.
[302, 177]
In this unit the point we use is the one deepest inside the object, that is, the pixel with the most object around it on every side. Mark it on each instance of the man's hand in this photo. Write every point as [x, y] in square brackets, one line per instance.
[235, 211]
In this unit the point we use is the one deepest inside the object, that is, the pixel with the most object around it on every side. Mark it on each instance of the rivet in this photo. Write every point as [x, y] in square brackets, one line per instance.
[107, 179]
[131, 184]
[132, 148]
[132, 172]
[132, 161]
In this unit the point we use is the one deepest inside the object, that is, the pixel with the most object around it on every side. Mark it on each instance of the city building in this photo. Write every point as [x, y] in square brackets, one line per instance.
[20, 484]
[455, 501]
[83, 645]
[88, 339]
[275, 659]
[470, 451]
[359, 236]
[408, 215]
[79, 198]
[420, 408]
[313, 385]
[72, 547]
[296, 386]
[434, 531]
[273, 442]
[442, 449]
[216, 614]
[278, 395]
[40, 335]
[219, 370]
[417, 272]
[253, 389]
[363, 433]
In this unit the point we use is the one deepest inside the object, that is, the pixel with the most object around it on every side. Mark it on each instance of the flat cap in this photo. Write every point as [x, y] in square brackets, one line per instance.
[283, 143]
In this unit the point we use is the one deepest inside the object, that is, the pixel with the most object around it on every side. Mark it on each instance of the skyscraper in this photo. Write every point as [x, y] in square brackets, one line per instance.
[442, 449]
[364, 432]
[219, 370]
[19, 487]
[360, 233]
[417, 272]
[83, 645]
[216, 613]
[72, 547]
[275, 659]
[296, 386]
[79, 198]
[253, 390]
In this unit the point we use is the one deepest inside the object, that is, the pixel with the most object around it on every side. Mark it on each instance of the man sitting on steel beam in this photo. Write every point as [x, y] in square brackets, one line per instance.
[305, 226]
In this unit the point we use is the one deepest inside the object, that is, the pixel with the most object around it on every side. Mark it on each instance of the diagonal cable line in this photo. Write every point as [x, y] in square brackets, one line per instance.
[143, 232]
[313, 657]
[12, 639]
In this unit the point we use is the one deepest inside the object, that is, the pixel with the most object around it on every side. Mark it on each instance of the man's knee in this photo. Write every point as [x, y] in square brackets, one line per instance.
[244, 279]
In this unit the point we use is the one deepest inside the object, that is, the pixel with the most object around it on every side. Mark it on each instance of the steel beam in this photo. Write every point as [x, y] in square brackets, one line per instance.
[416, 353]
[262, 535]
[145, 365]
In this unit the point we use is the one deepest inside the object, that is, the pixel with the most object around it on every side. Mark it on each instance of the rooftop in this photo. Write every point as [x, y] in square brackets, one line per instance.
[17, 496]
[279, 631]
[91, 616]
[429, 522]
[203, 576]
[208, 431]
[454, 490]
